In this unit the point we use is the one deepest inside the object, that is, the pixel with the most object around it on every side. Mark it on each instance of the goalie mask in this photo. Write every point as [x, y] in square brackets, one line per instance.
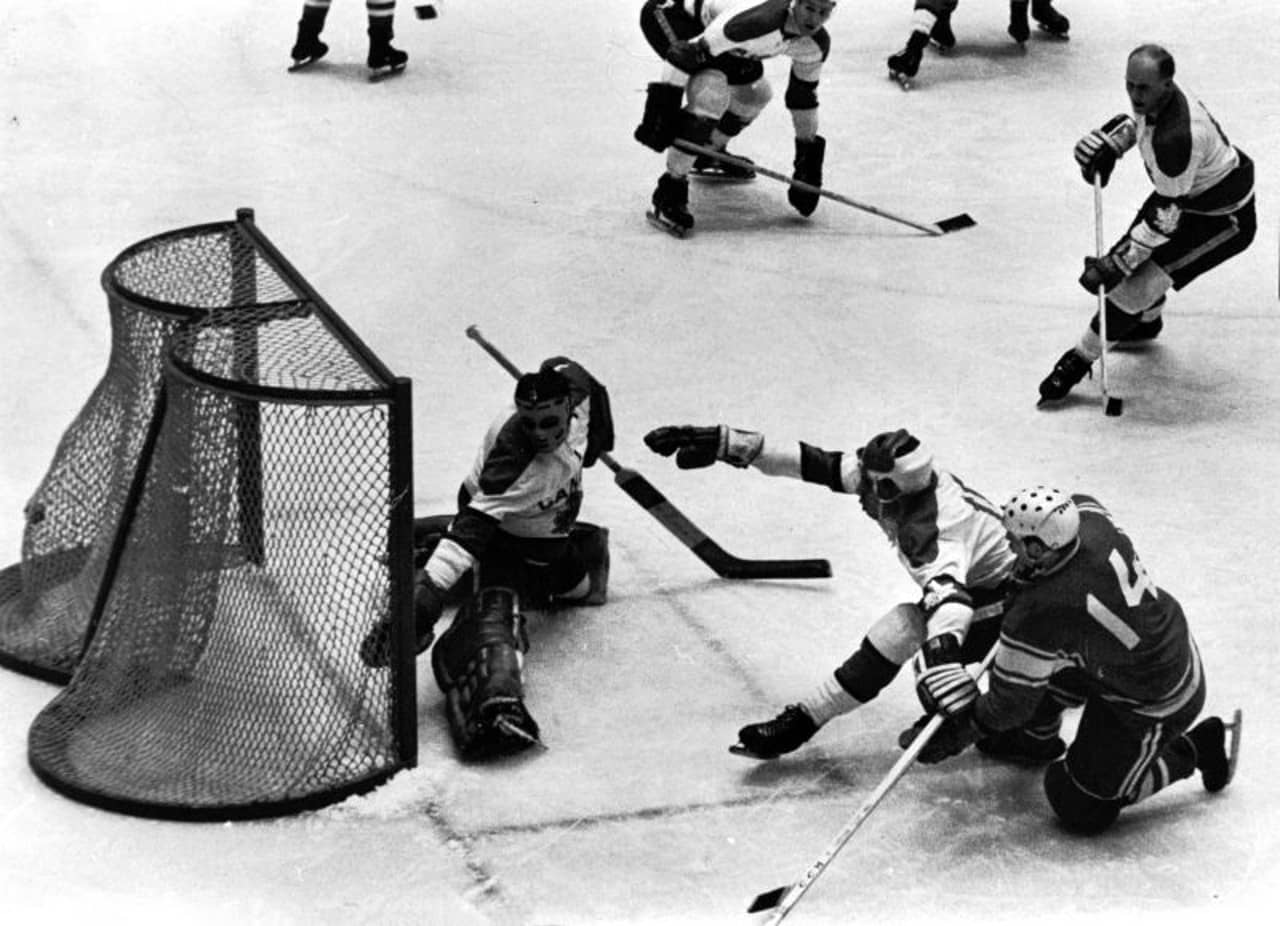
[543, 409]
[894, 465]
[1043, 525]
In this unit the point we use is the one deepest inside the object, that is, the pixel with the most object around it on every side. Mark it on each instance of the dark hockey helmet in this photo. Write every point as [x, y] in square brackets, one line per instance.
[896, 463]
[543, 408]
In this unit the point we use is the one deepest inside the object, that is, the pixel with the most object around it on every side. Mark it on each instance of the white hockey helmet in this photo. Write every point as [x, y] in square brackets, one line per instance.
[1043, 514]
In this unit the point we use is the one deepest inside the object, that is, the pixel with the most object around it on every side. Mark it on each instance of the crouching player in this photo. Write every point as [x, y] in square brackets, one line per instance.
[517, 537]
[1088, 626]
[947, 536]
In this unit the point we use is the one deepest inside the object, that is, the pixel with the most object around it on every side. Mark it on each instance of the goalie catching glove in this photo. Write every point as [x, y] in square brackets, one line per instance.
[696, 447]
[1097, 152]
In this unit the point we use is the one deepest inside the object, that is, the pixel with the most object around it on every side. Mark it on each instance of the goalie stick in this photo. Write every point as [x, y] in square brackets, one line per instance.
[781, 900]
[940, 227]
[722, 562]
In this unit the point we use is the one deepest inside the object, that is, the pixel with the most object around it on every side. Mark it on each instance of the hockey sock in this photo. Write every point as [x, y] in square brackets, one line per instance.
[864, 674]
[828, 700]
[1176, 761]
[923, 20]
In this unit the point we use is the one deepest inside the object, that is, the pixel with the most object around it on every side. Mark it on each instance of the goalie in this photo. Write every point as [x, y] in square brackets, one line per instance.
[515, 539]
[948, 537]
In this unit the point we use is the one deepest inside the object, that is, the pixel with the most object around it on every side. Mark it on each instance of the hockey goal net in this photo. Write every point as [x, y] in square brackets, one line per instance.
[222, 524]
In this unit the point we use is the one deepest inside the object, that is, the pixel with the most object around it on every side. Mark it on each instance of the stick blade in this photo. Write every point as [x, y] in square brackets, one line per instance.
[956, 223]
[768, 900]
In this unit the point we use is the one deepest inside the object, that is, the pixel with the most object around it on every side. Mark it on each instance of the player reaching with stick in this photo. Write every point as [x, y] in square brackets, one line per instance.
[1200, 214]
[1087, 625]
[948, 538]
[516, 538]
[713, 87]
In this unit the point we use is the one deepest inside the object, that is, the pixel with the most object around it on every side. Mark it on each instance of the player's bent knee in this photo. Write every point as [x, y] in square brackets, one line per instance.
[899, 633]
[1142, 289]
[708, 93]
[1078, 811]
[751, 98]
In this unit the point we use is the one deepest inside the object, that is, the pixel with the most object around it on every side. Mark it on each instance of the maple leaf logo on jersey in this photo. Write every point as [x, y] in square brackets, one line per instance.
[1165, 218]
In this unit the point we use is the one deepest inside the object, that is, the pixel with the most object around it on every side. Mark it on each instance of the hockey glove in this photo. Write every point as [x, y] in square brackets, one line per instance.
[954, 736]
[660, 123]
[946, 689]
[810, 153]
[689, 57]
[696, 447]
[1097, 152]
[1101, 273]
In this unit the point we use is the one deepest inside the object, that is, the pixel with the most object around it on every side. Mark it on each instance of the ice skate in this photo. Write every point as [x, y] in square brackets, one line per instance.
[1019, 27]
[785, 733]
[1069, 370]
[904, 66]
[709, 168]
[1217, 750]
[941, 34]
[308, 49]
[384, 61]
[1021, 747]
[1049, 19]
[670, 210]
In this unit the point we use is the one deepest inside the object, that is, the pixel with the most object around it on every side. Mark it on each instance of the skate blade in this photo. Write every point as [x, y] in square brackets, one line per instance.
[1050, 34]
[902, 80]
[1233, 756]
[304, 63]
[675, 231]
[377, 75]
[740, 750]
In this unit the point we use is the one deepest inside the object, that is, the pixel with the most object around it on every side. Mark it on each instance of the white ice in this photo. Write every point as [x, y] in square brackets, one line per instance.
[496, 182]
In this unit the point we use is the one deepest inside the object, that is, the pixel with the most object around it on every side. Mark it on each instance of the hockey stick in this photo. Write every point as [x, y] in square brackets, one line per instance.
[722, 563]
[1112, 405]
[940, 227]
[782, 899]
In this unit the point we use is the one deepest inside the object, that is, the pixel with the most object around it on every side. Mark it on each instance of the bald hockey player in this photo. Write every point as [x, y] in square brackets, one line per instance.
[931, 22]
[1087, 625]
[1200, 214]
[948, 538]
[517, 537]
[713, 86]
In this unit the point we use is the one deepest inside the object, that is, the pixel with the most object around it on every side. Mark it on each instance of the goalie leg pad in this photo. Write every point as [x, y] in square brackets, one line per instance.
[478, 664]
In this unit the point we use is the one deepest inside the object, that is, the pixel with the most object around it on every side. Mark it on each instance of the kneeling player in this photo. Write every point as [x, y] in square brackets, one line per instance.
[517, 533]
[1087, 620]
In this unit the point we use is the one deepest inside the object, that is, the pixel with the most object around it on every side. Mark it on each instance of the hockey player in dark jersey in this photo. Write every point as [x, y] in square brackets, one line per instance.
[713, 51]
[947, 536]
[1201, 213]
[1088, 626]
[382, 58]
[931, 22]
[515, 539]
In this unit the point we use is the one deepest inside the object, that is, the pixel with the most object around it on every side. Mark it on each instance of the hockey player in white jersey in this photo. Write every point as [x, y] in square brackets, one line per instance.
[713, 51]
[1200, 214]
[947, 536]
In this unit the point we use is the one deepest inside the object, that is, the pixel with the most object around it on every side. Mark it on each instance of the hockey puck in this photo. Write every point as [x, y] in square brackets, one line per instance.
[1114, 406]
[426, 11]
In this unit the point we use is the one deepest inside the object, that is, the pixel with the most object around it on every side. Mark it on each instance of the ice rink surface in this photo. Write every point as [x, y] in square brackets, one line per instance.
[496, 182]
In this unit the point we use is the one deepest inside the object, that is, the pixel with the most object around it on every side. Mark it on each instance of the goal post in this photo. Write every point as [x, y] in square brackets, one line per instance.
[260, 526]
